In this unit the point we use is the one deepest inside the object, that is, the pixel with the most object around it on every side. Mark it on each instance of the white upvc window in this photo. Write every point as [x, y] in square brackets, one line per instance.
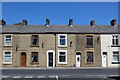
[115, 57]
[7, 57]
[62, 56]
[62, 40]
[115, 40]
[8, 40]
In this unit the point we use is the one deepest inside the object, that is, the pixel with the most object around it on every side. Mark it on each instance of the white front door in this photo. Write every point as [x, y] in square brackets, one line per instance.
[104, 59]
[77, 60]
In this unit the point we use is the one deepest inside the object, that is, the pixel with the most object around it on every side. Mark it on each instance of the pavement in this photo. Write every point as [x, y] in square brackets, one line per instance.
[60, 68]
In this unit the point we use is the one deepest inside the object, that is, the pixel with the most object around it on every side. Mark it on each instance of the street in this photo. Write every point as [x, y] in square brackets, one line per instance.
[61, 74]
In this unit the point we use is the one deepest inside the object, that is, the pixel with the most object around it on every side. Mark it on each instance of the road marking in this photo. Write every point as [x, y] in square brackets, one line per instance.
[5, 76]
[52, 76]
[40, 76]
[113, 75]
[57, 77]
[28, 76]
[16, 77]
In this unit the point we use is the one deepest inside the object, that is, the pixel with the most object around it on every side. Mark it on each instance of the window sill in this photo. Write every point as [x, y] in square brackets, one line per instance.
[115, 45]
[34, 63]
[62, 46]
[89, 62]
[115, 62]
[8, 46]
[7, 63]
[62, 63]
[34, 46]
[89, 46]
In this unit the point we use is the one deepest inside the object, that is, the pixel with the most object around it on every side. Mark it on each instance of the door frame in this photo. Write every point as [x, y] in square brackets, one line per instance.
[105, 53]
[53, 58]
[78, 53]
[25, 59]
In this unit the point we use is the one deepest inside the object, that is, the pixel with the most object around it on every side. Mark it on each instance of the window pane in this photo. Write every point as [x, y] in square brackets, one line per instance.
[115, 40]
[62, 36]
[8, 36]
[89, 40]
[35, 39]
[8, 42]
[89, 56]
[116, 56]
[62, 41]
[34, 56]
[7, 57]
[62, 57]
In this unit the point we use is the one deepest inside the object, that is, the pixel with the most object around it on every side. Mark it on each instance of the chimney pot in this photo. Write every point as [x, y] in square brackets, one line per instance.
[47, 22]
[70, 22]
[25, 22]
[2, 22]
[92, 23]
[113, 22]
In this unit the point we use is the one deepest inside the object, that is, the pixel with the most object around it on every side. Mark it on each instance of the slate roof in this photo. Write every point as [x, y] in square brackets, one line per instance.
[60, 29]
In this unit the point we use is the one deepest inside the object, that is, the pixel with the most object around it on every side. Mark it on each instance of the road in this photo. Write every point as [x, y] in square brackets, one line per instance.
[60, 74]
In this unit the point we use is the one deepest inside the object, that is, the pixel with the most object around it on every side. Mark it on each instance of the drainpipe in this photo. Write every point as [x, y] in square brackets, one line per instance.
[55, 49]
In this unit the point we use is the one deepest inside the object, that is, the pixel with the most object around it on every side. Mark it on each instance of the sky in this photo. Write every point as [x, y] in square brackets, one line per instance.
[60, 12]
[60, 0]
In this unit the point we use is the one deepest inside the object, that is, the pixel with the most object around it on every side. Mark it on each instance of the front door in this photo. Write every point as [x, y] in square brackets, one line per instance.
[104, 59]
[23, 59]
[50, 59]
[78, 60]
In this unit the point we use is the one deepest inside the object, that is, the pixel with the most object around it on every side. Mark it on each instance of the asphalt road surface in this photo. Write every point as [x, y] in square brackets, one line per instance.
[61, 74]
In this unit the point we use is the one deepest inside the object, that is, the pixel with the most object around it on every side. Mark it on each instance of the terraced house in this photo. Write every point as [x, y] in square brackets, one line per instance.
[60, 45]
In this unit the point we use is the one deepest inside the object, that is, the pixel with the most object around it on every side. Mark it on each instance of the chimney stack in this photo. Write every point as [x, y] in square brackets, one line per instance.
[2, 22]
[70, 22]
[25, 22]
[113, 22]
[92, 23]
[47, 22]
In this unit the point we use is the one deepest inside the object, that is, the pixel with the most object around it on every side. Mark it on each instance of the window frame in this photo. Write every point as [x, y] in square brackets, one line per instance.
[65, 56]
[114, 38]
[4, 57]
[92, 57]
[34, 38]
[87, 40]
[6, 40]
[37, 57]
[59, 40]
[118, 56]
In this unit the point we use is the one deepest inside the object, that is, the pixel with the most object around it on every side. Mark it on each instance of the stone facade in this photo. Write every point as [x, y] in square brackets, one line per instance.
[50, 41]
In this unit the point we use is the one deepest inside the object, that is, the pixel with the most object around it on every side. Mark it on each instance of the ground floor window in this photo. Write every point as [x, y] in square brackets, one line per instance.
[115, 57]
[7, 57]
[34, 57]
[62, 56]
[90, 57]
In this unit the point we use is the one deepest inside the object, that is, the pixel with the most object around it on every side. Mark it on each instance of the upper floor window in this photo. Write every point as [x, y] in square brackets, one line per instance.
[8, 40]
[34, 57]
[62, 40]
[90, 57]
[7, 57]
[90, 40]
[115, 57]
[115, 40]
[35, 40]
